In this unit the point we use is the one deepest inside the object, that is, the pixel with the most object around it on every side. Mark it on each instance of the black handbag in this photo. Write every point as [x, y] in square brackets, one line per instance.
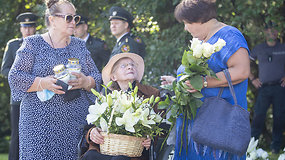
[221, 125]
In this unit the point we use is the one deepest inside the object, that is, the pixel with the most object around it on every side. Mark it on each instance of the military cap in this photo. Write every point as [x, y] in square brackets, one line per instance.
[120, 13]
[83, 20]
[27, 19]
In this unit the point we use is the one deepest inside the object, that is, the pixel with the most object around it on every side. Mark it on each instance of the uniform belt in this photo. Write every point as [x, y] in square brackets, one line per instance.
[273, 83]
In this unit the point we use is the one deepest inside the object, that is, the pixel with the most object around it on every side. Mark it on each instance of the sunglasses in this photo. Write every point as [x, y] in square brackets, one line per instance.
[69, 18]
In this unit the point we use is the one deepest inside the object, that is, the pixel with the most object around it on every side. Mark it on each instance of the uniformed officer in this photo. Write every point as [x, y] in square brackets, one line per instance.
[97, 47]
[121, 23]
[27, 27]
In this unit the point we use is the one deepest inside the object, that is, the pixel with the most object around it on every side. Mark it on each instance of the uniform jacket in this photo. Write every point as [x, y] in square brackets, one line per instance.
[9, 57]
[130, 43]
[146, 92]
[99, 51]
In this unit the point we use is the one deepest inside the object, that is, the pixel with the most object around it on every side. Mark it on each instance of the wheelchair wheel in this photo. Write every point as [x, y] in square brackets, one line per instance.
[167, 153]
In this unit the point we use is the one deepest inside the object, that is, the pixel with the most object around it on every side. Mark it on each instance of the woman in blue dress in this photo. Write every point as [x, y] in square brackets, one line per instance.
[51, 129]
[199, 18]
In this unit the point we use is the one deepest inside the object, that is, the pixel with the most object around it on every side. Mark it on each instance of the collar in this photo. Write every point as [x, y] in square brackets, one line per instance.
[86, 38]
[121, 37]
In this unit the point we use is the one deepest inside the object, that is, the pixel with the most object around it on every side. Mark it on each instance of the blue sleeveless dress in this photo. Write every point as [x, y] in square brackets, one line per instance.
[218, 62]
[49, 129]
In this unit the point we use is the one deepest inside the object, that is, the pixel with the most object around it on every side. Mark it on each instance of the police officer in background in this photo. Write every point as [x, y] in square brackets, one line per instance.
[271, 86]
[27, 27]
[121, 23]
[97, 47]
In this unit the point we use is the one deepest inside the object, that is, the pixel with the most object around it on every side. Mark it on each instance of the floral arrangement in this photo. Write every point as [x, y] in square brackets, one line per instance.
[282, 156]
[253, 153]
[196, 66]
[125, 113]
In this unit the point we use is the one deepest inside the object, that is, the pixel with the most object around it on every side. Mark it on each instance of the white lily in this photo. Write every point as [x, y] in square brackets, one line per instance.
[145, 119]
[128, 120]
[103, 124]
[95, 111]
[252, 145]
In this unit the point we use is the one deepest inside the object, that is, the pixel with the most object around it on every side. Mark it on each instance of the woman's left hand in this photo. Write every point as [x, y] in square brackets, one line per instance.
[191, 90]
[146, 143]
[81, 81]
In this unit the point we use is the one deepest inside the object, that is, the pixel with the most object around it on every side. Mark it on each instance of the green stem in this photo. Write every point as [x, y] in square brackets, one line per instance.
[171, 127]
[183, 124]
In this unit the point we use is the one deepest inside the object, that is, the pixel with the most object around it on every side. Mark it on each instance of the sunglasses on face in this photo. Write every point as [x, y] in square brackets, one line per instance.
[69, 18]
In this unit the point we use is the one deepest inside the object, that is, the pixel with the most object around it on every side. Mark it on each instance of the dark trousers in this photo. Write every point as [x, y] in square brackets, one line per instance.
[14, 144]
[93, 154]
[267, 95]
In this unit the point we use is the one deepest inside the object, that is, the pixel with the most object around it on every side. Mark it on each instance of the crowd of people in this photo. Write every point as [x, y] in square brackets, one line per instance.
[51, 128]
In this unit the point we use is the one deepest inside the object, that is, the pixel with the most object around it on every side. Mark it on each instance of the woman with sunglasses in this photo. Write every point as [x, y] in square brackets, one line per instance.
[51, 128]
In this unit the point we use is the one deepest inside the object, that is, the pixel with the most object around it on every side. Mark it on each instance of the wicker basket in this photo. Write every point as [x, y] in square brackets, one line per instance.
[116, 144]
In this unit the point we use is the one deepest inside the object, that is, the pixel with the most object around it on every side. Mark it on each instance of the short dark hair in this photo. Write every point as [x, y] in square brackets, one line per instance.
[195, 11]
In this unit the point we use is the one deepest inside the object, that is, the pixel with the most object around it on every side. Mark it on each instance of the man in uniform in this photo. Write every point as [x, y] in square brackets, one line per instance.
[97, 47]
[271, 86]
[27, 27]
[121, 23]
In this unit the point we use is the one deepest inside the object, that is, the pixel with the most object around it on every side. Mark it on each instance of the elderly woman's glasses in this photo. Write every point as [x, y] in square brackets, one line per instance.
[69, 18]
[123, 66]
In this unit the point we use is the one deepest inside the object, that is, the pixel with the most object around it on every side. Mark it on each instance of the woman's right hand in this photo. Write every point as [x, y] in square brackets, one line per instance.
[49, 83]
[167, 80]
[95, 136]
[256, 83]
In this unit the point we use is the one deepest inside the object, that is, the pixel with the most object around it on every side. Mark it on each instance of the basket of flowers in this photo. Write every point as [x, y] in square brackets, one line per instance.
[125, 119]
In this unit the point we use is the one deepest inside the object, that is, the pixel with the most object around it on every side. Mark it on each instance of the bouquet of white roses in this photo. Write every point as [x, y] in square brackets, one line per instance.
[125, 113]
[196, 66]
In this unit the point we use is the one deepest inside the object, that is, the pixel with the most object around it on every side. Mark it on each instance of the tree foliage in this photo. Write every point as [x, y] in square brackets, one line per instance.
[155, 23]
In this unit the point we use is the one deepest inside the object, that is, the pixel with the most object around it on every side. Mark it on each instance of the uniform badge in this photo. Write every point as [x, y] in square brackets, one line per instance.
[138, 40]
[114, 13]
[125, 48]
[27, 20]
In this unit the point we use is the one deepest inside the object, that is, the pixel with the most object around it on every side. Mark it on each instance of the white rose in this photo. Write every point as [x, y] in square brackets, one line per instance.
[208, 50]
[198, 51]
[195, 42]
[219, 44]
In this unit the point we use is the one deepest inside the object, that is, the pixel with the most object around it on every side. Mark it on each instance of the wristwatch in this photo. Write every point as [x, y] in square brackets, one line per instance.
[205, 83]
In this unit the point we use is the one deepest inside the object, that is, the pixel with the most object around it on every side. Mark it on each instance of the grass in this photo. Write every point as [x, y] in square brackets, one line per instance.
[4, 156]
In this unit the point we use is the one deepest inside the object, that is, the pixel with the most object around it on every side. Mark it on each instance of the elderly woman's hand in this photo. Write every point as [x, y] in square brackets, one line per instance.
[96, 136]
[81, 81]
[191, 90]
[167, 80]
[146, 143]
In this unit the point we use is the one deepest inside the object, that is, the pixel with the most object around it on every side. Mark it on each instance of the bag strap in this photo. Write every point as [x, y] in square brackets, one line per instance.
[221, 92]
[228, 77]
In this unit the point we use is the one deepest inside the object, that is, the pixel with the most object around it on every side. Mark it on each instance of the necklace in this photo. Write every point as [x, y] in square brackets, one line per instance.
[50, 40]
[66, 43]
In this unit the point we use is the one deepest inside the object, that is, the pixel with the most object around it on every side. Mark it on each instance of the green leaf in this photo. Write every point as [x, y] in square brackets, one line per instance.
[97, 94]
[109, 84]
[197, 82]
[197, 95]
